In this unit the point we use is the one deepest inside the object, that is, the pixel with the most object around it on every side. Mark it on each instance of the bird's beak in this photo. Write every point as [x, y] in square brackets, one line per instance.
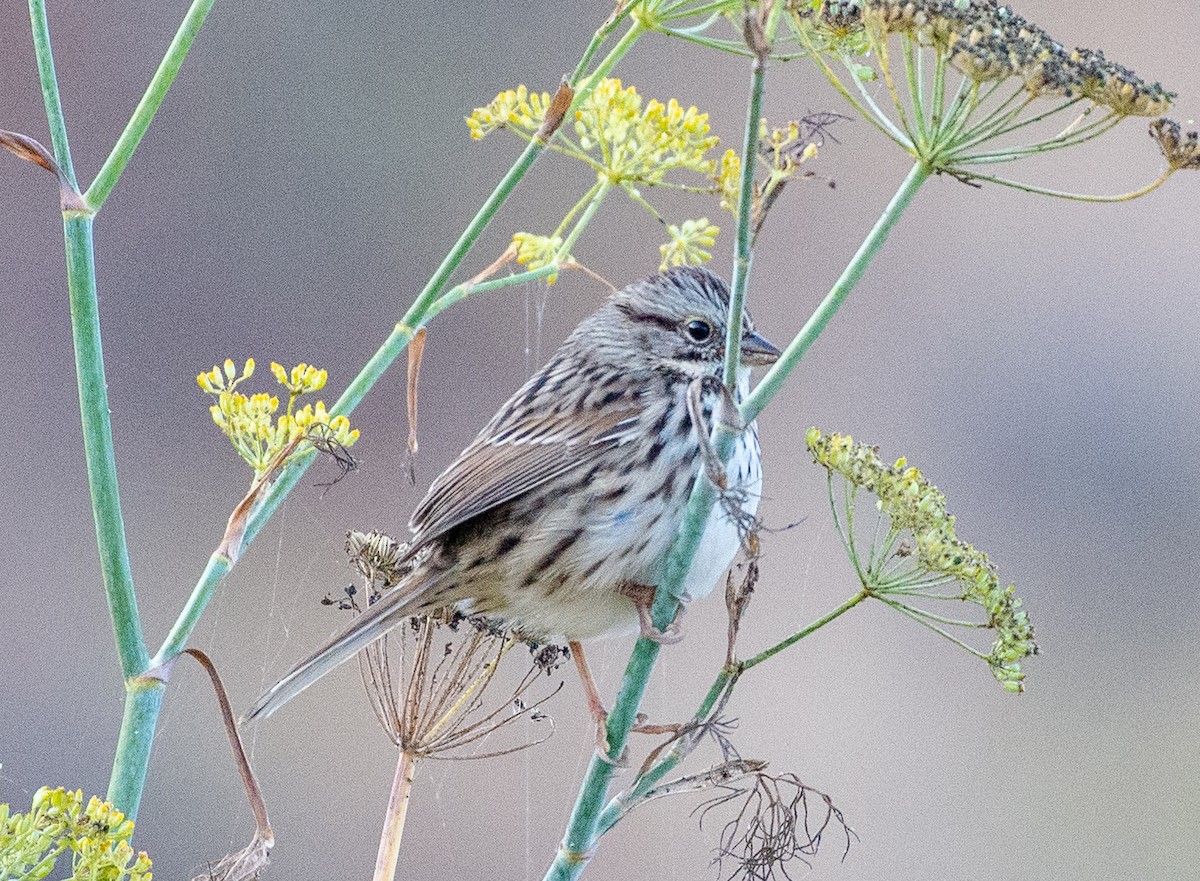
[758, 351]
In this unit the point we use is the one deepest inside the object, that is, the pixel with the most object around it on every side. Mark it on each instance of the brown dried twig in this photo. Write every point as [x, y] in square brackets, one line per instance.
[773, 826]
[252, 859]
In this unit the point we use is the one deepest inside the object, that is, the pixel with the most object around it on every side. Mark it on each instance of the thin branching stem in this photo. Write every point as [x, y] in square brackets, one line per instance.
[910, 612]
[1078, 197]
[143, 114]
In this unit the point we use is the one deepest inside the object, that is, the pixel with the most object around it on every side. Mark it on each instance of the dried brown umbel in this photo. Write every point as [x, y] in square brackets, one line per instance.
[984, 85]
[1179, 149]
[430, 682]
[779, 820]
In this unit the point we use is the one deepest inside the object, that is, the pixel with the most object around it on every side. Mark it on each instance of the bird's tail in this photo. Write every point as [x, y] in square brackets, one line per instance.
[390, 610]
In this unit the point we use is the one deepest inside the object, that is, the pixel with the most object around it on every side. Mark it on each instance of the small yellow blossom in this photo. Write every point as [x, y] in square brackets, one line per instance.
[534, 252]
[250, 421]
[225, 378]
[518, 109]
[303, 378]
[97, 837]
[689, 243]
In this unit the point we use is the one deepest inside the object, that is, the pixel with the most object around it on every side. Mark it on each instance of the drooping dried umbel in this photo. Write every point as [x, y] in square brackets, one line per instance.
[984, 85]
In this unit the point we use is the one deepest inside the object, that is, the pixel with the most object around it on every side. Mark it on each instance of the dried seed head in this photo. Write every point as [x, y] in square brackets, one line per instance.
[987, 41]
[1180, 150]
[778, 819]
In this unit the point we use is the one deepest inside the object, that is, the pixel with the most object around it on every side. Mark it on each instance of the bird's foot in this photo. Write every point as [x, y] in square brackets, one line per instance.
[643, 599]
[595, 706]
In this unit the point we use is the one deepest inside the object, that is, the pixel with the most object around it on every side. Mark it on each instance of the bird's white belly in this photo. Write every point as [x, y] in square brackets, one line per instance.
[627, 545]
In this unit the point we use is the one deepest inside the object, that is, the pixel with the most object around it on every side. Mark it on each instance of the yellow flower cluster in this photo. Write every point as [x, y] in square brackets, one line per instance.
[988, 41]
[97, 836]
[518, 109]
[251, 424]
[535, 251]
[915, 505]
[689, 243]
[617, 135]
[643, 144]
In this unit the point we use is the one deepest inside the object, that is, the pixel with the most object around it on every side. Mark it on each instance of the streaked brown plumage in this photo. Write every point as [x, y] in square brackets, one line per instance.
[576, 488]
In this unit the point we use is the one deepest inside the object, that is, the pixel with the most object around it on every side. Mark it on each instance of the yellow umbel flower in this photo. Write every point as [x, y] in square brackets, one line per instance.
[618, 134]
[250, 423]
[518, 109]
[689, 243]
[891, 572]
[534, 252]
[633, 143]
[96, 835]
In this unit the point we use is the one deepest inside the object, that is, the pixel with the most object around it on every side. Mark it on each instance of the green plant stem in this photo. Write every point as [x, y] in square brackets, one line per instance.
[98, 447]
[143, 701]
[622, 803]
[121, 153]
[724, 682]
[742, 254]
[767, 653]
[467, 289]
[583, 827]
[93, 388]
[796, 349]
[176, 641]
[143, 695]
[49, 83]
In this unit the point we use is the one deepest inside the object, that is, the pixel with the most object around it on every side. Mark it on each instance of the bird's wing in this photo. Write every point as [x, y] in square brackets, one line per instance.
[516, 455]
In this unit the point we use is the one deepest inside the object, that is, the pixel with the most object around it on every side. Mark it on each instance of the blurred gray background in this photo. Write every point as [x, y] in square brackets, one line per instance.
[1037, 358]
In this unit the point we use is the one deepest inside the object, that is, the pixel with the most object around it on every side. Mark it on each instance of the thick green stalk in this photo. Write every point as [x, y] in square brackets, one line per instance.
[89, 369]
[98, 448]
[773, 381]
[742, 254]
[143, 701]
[143, 696]
[622, 803]
[583, 828]
[121, 153]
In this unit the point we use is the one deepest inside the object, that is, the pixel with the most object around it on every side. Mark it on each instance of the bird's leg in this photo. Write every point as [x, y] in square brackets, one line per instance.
[595, 705]
[643, 598]
[598, 712]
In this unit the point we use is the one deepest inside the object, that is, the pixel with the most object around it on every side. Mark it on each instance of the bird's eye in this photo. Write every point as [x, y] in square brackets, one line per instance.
[699, 330]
